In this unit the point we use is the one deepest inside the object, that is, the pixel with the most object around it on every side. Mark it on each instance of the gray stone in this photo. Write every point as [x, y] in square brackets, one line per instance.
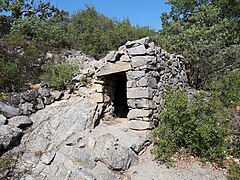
[113, 155]
[125, 58]
[139, 50]
[44, 92]
[138, 42]
[111, 68]
[57, 95]
[133, 75]
[40, 104]
[30, 95]
[3, 119]
[8, 136]
[48, 100]
[136, 113]
[141, 125]
[8, 111]
[20, 121]
[138, 61]
[110, 57]
[152, 82]
[82, 158]
[81, 173]
[143, 82]
[139, 92]
[131, 84]
[48, 157]
[27, 108]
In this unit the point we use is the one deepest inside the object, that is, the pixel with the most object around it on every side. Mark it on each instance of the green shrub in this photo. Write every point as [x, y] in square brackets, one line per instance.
[234, 172]
[58, 75]
[195, 124]
[8, 75]
[227, 88]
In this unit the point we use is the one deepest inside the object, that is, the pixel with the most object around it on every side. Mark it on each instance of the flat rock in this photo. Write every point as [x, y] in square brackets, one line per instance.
[135, 113]
[57, 95]
[138, 42]
[139, 50]
[8, 111]
[111, 68]
[20, 121]
[141, 125]
[8, 135]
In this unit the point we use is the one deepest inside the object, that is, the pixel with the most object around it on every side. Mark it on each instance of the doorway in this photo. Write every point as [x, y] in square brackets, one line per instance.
[120, 95]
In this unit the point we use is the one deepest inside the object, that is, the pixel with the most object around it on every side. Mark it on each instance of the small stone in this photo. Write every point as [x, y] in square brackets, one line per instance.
[40, 104]
[57, 95]
[139, 50]
[27, 108]
[136, 113]
[8, 111]
[141, 125]
[44, 92]
[47, 158]
[48, 100]
[132, 75]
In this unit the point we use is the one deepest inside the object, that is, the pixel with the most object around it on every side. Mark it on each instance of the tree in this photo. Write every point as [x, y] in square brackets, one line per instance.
[208, 38]
[23, 8]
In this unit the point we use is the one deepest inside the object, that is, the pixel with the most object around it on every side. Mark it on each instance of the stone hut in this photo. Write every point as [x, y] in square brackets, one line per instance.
[131, 81]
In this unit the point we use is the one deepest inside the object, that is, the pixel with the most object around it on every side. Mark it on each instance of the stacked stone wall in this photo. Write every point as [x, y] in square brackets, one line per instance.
[148, 69]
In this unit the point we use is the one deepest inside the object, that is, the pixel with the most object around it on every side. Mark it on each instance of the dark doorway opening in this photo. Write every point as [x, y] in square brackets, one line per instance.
[120, 96]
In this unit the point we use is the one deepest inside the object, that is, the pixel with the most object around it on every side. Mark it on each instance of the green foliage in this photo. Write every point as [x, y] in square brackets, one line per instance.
[8, 74]
[196, 124]
[206, 37]
[96, 34]
[234, 171]
[227, 88]
[23, 8]
[58, 75]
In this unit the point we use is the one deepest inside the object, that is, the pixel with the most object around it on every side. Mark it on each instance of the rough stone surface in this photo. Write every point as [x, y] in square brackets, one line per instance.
[141, 125]
[3, 119]
[111, 68]
[20, 121]
[8, 136]
[137, 113]
[30, 95]
[44, 92]
[57, 95]
[143, 92]
[8, 111]
[139, 50]
[115, 156]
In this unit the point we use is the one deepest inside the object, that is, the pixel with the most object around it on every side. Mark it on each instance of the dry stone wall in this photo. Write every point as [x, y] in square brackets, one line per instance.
[148, 70]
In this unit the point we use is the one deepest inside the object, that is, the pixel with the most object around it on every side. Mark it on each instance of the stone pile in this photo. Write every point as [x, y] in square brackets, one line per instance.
[15, 113]
[148, 70]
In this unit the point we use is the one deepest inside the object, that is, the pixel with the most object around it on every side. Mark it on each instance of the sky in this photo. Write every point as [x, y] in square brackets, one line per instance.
[139, 12]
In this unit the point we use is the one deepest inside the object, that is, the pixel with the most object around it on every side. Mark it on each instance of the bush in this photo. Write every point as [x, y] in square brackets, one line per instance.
[60, 75]
[227, 88]
[234, 172]
[195, 124]
[8, 75]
